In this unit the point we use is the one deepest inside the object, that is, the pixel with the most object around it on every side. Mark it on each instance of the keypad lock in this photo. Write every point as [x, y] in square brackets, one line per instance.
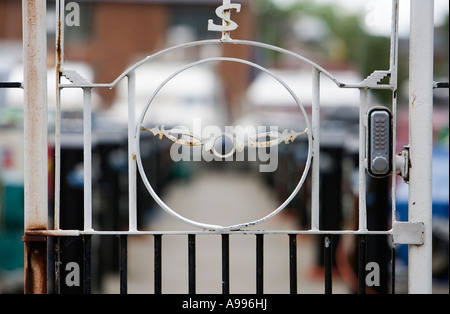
[379, 142]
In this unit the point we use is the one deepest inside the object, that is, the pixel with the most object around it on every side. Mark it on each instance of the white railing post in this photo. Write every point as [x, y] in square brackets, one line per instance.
[315, 177]
[87, 157]
[362, 182]
[132, 174]
[35, 144]
[421, 141]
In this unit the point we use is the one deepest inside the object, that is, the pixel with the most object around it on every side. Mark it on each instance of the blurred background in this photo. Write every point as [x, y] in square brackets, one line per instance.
[350, 39]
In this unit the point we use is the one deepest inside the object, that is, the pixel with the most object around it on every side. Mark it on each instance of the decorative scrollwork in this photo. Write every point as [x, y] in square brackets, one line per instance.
[182, 137]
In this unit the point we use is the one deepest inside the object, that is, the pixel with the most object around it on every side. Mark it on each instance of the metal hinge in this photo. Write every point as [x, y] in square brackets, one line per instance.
[408, 232]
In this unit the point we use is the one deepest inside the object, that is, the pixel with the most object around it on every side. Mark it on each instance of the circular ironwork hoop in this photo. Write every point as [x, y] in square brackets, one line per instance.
[207, 226]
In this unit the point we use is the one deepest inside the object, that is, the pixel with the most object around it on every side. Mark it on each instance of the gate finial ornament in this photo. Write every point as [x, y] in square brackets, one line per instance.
[224, 12]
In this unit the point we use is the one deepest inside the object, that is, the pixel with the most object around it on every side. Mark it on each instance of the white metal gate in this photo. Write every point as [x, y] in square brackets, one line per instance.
[413, 163]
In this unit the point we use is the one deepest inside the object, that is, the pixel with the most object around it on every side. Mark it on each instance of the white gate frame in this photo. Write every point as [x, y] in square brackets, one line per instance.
[421, 141]
[418, 163]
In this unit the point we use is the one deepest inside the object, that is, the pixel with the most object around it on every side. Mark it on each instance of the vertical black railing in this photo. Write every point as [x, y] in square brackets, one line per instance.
[259, 263]
[57, 259]
[225, 263]
[328, 263]
[362, 261]
[87, 258]
[62, 242]
[393, 269]
[123, 264]
[293, 263]
[158, 263]
[191, 261]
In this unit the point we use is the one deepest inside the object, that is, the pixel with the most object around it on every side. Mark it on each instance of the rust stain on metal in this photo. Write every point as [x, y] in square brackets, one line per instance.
[35, 267]
[414, 100]
[186, 143]
[58, 48]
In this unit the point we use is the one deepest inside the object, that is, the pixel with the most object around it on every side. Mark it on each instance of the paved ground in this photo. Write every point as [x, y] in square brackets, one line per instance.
[221, 198]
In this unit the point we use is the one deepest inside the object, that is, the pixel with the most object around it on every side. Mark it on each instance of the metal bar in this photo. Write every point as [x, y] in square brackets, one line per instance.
[364, 99]
[315, 175]
[10, 85]
[394, 83]
[421, 141]
[123, 264]
[225, 264]
[328, 263]
[394, 44]
[59, 53]
[60, 12]
[87, 158]
[293, 263]
[259, 263]
[73, 233]
[441, 85]
[393, 269]
[191, 260]
[35, 143]
[35, 114]
[158, 263]
[87, 249]
[57, 252]
[57, 163]
[362, 261]
[132, 178]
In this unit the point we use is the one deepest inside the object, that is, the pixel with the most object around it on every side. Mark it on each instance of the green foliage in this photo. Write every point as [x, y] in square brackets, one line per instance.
[363, 51]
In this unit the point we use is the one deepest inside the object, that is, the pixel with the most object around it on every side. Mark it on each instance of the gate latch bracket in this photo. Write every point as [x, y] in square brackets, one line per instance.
[402, 164]
[408, 232]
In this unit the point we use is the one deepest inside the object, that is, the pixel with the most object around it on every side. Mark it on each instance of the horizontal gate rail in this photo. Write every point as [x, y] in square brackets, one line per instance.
[74, 233]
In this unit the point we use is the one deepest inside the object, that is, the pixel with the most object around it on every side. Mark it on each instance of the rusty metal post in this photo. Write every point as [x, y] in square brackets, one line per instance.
[35, 144]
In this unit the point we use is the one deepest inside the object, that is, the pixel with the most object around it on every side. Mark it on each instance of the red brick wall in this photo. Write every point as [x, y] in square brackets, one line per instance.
[122, 31]
[10, 20]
